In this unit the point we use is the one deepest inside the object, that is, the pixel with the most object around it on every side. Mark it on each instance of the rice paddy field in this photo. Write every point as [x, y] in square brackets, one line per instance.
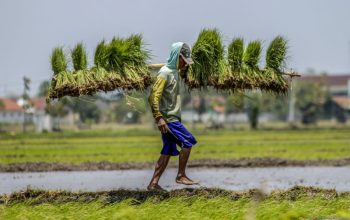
[136, 146]
[296, 203]
[143, 146]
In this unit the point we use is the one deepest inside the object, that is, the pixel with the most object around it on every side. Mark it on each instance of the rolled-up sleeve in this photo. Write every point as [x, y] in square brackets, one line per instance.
[155, 96]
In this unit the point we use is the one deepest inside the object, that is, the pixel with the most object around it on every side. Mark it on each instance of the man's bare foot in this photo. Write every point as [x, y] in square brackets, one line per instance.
[185, 180]
[155, 187]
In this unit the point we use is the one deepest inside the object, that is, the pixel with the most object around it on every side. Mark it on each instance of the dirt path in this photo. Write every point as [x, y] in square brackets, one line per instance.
[218, 163]
[267, 179]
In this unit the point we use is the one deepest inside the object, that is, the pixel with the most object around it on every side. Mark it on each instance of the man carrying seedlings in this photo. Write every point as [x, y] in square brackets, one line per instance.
[165, 103]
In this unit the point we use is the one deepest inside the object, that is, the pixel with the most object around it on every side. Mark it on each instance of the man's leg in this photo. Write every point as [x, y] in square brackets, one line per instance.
[181, 175]
[158, 171]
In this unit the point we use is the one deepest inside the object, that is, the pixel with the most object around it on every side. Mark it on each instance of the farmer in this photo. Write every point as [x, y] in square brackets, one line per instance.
[165, 103]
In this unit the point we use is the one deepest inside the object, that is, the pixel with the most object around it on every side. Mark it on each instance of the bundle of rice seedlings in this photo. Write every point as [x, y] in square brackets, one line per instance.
[58, 65]
[84, 83]
[122, 64]
[119, 64]
[65, 85]
[137, 55]
[142, 55]
[243, 63]
[251, 55]
[101, 55]
[79, 57]
[209, 58]
[128, 58]
[241, 69]
[276, 56]
[58, 60]
[115, 50]
[71, 83]
[251, 71]
[235, 60]
[277, 83]
[235, 54]
[105, 80]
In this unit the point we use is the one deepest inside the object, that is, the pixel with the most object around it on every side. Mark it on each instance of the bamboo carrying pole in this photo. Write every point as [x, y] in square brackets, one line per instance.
[156, 65]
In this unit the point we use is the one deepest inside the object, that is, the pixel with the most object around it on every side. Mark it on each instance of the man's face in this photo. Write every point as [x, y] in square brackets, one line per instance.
[183, 66]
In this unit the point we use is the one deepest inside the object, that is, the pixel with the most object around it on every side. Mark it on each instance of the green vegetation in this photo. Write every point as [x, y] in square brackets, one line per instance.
[58, 60]
[119, 64]
[296, 203]
[101, 55]
[208, 55]
[79, 57]
[240, 71]
[276, 54]
[235, 54]
[145, 145]
[251, 56]
[122, 64]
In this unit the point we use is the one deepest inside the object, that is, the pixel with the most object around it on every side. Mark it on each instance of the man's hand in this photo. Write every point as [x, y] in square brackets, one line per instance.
[162, 125]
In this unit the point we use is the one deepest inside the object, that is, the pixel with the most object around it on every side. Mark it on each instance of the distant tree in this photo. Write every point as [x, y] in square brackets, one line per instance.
[130, 108]
[43, 88]
[331, 109]
[26, 101]
[309, 99]
[257, 102]
[201, 108]
[235, 103]
[253, 107]
[185, 97]
[125, 114]
[57, 111]
[309, 113]
[276, 104]
[88, 110]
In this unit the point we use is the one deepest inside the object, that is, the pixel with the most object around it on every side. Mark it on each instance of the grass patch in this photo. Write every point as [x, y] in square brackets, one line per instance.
[145, 145]
[296, 203]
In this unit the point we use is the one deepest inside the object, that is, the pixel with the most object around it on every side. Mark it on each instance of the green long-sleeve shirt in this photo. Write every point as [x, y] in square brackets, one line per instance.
[165, 98]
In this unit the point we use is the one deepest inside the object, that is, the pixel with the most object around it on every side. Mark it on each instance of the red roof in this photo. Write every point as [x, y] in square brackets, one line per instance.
[329, 80]
[219, 109]
[9, 105]
[38, 103]
[343, 101]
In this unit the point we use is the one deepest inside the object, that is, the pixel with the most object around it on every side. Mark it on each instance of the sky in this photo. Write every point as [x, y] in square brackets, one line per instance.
[318, 31]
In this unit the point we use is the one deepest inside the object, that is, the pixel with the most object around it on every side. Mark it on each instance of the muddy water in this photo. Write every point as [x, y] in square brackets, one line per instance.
[268, 178]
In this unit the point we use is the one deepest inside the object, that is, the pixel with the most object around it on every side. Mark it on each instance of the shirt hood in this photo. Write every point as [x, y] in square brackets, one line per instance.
[174, 55]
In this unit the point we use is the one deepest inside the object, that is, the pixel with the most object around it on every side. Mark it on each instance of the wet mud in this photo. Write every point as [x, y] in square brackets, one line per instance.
[212, 163]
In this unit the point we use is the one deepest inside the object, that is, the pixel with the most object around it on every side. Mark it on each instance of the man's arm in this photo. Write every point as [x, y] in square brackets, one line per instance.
[154, 101]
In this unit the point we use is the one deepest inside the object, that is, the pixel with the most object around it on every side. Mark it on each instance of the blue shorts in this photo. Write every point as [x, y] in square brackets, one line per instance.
[179, 135]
